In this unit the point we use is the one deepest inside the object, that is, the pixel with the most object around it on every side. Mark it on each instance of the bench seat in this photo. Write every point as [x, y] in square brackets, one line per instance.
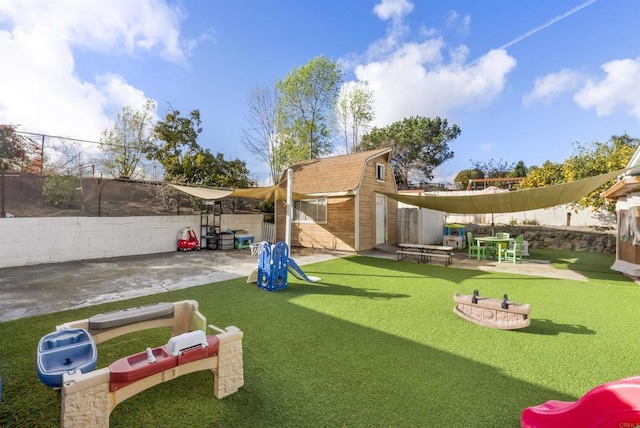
[404, 254]
[445, 257]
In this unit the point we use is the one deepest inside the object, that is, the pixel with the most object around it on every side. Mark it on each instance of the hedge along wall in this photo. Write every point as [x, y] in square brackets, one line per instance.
[36, 240]
[555, 238]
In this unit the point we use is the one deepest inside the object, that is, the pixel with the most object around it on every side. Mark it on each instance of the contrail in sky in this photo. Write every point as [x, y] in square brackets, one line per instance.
[543, 26]
[547, 24]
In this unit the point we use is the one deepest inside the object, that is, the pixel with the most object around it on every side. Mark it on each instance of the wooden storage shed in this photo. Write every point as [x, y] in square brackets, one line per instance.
[346, 213]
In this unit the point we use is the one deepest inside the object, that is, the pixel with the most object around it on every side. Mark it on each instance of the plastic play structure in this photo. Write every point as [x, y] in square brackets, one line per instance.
[187, 240]
[610, 405]
[495, 313]
[66, 359]
[273, 266]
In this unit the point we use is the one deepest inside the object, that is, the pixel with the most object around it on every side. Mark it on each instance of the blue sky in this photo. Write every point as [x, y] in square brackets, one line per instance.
[523, 79]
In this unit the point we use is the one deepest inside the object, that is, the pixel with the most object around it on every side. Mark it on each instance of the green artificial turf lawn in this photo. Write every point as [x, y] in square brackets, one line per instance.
[374, 344]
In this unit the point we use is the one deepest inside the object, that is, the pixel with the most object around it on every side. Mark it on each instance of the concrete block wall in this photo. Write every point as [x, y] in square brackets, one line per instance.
[31, 241]
[252, 223]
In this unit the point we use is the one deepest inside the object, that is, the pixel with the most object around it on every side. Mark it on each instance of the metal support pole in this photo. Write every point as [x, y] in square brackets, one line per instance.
[289, 211]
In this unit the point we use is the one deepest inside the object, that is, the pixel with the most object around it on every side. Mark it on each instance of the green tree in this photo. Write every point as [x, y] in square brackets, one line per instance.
[463, 177]
[520, 170]
[418, 143]
[587, 161]
[185, 161]
[179, 137]
[306, 102]
[206, 169]
[122, 146]
[354, 113]
[548, 174]
[494, 168]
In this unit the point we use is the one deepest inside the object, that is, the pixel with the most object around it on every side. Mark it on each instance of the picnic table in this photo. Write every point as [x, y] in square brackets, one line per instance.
[497, 242]
[426, 253]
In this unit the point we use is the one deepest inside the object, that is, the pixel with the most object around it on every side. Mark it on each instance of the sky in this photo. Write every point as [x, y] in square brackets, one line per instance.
[524, 80]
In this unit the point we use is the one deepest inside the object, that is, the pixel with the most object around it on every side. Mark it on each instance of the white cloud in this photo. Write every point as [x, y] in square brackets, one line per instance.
[486, 147]
[620, 89]
[553, 85]
[413, 78]
[392, 9]
[39, 86]
[460, 24]
[414, 81]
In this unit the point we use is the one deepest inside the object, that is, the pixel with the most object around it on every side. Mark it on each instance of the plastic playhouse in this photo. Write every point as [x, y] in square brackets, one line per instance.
[66, 359]
[274, 264]
[455, 235]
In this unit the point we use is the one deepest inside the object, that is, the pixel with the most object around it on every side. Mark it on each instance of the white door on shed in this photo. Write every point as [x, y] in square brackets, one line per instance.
[381, 219]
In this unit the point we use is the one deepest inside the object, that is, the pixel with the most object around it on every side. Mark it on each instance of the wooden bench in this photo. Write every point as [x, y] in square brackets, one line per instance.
[445, 257]
[402, 253]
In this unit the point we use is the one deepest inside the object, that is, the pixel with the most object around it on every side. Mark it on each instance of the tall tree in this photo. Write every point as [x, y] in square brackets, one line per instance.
[260, 138]
[122, 146]
[494, 168]
[179, 137]
[307, 97]
[354, 113]
[520, 170]
[587, 161]
[462, 179]
[18, 152]
[206, 169]
[418, 144]
[185, 161]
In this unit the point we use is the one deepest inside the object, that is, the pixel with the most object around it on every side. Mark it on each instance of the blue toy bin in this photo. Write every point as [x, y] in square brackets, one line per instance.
[65, 351]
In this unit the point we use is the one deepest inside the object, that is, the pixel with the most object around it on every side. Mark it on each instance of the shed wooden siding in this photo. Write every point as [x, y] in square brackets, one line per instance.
[337, 234]
[348, 174]
[368, 204]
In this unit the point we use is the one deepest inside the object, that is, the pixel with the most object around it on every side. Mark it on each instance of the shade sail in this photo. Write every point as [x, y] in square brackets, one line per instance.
[271, 193]
[507, 202]
[203, 192]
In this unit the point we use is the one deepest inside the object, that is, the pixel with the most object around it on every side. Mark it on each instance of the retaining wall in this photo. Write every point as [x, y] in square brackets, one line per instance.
[36, 240]
[555, 238]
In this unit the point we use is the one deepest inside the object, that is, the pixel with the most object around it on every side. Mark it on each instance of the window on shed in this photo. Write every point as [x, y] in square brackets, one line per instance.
[379, 172]
[310, 211]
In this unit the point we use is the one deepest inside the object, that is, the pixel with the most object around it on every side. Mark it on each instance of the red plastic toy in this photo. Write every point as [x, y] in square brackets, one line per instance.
[610, 405]
[187, 240]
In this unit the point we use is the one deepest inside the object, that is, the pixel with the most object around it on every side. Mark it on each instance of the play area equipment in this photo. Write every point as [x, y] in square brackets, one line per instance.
[495, 313]
[89, 396]
[65, 351]
[610, 405]
[273, 266]
[187, 240]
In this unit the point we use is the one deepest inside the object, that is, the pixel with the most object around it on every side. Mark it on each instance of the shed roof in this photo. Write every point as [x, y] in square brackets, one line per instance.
[333, 174]
[628, 182]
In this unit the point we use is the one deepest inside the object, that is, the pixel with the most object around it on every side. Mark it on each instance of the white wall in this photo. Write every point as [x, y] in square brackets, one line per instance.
[30, 241]
[556, 216]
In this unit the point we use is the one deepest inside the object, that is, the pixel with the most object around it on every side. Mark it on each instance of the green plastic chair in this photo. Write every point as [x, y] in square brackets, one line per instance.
[478, 250]
[514, 252]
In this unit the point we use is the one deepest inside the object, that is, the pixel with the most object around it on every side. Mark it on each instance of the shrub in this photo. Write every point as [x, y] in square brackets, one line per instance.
[530, 221]
[60, 190]
[266, 206]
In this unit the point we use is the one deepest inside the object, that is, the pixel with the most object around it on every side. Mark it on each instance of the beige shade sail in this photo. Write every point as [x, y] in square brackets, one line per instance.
[507, 202]
[203, 192]
[271, 193]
